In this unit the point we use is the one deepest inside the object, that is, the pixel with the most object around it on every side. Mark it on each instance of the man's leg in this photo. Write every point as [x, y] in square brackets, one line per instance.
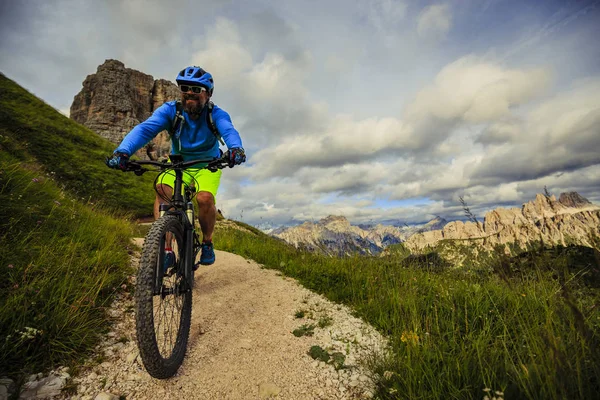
[162, 192]
[208, 184]
[207, 214]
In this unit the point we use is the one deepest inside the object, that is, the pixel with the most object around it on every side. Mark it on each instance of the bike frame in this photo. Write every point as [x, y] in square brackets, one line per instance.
[182, 207]
[190, 237]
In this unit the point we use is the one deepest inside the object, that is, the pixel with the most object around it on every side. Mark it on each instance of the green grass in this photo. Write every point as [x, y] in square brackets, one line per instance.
[60, 262]
[64, 234]
[304, 330]
[32, 131]
[528, 326]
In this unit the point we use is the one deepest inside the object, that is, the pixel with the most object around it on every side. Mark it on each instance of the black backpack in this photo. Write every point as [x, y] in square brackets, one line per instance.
[179, 120]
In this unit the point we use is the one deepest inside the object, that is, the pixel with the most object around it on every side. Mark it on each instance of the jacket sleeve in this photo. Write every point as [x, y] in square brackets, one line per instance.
[144, 132]
[230, 135]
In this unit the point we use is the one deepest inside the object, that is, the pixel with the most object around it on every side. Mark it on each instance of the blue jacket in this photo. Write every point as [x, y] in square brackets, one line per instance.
[196, 140]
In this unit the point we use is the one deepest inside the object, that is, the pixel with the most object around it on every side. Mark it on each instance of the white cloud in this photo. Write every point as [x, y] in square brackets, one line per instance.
[559, 135]
[469, 90]
[434, 21]
[222, 53]
[476, 90]
[385, 15]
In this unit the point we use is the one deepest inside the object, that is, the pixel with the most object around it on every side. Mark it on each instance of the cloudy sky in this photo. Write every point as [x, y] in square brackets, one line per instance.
[379, 110]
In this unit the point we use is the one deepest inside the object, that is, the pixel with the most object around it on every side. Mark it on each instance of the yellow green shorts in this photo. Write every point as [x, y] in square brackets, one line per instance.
[202, 179]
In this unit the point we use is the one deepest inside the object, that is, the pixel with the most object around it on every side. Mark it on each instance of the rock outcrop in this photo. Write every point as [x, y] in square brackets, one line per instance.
[334, 235]
[571, 219]
[115, 99]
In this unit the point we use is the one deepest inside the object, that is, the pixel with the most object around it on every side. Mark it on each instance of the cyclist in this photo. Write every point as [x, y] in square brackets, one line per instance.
[195, 139]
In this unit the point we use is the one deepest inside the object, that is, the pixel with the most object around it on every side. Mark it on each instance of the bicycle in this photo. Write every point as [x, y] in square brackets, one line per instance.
[163, 295]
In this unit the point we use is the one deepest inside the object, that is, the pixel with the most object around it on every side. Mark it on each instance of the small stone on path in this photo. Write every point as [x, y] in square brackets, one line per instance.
[106, 396]
[267, 390]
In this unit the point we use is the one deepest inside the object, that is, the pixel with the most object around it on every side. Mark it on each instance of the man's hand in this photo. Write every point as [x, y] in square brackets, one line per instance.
[236, 156]
[117, 161]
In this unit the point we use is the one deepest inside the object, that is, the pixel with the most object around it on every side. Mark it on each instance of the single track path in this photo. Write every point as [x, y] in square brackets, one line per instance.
[241, 343]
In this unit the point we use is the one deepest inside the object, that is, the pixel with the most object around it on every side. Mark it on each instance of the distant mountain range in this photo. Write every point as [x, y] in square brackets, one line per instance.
[334, 235]
[570, 219]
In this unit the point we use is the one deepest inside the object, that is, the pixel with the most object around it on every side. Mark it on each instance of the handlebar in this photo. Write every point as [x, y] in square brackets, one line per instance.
[212, 164]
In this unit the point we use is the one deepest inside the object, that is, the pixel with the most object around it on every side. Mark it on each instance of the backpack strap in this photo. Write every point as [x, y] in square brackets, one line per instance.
[211, 123]
[178, 121]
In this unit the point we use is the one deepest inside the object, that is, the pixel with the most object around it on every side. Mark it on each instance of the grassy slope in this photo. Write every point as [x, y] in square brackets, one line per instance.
[74, 155]
[62, 252]
[527, 326]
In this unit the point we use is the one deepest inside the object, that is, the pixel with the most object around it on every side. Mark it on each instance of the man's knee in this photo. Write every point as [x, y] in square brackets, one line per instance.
[205, 199]
[163, 191]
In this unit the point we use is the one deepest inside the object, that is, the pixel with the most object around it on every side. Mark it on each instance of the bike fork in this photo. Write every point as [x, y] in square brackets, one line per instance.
[160, 270]
[189, 257]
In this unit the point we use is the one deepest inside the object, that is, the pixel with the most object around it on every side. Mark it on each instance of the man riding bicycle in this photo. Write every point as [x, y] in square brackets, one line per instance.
[196, 126]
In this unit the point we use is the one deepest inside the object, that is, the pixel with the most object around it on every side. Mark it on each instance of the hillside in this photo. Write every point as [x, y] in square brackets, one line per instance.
[63, 240]
[34, 133]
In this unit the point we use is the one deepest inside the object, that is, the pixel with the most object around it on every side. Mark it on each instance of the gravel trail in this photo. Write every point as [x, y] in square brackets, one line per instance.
[241, 343]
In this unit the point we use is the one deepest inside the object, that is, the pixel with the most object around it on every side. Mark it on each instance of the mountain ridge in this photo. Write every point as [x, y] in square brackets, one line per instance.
[334, 235]
[571, 219]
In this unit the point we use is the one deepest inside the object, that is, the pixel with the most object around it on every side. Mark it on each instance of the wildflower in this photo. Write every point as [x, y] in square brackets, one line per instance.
[410, 337]
[36, 180]
[16, 286]
[29, 332]
[39, 222]
[10, 266]
[387, 375]
[523, 294]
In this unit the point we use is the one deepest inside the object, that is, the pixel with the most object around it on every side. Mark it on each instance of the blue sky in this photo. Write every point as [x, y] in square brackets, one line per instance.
[380, 110]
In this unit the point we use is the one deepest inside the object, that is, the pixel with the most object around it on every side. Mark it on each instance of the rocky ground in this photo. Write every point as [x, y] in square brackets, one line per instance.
[241, 346]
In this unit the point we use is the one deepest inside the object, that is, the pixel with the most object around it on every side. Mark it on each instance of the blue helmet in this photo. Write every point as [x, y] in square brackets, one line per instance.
[196, 76]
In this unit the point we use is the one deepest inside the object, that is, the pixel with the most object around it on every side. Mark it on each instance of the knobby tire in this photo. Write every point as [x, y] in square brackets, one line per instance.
[159, 365]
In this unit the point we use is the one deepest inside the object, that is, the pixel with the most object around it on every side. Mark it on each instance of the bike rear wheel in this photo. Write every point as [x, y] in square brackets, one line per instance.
[163, 299]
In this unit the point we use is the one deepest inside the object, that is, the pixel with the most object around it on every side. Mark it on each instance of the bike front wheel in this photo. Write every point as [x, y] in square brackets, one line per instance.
[163, 299]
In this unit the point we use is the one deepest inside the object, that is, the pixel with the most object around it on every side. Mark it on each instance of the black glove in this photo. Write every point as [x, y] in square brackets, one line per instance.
[236, 156]
[117, 161]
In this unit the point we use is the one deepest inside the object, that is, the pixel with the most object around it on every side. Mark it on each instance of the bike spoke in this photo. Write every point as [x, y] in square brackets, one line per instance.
[169, 304]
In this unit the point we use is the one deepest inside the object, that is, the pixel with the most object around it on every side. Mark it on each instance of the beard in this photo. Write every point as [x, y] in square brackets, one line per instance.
[194, 108]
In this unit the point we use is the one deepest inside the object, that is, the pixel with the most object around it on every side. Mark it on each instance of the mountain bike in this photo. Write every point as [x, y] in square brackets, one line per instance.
[165, 279]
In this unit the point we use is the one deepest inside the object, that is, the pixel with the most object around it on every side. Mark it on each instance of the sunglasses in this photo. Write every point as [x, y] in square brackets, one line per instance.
[195, 89]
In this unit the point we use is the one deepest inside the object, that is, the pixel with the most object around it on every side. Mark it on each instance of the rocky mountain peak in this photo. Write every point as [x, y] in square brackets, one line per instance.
[335, 220]
[115, 99]
[436, 223]
[573, 199]
[110, 64]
